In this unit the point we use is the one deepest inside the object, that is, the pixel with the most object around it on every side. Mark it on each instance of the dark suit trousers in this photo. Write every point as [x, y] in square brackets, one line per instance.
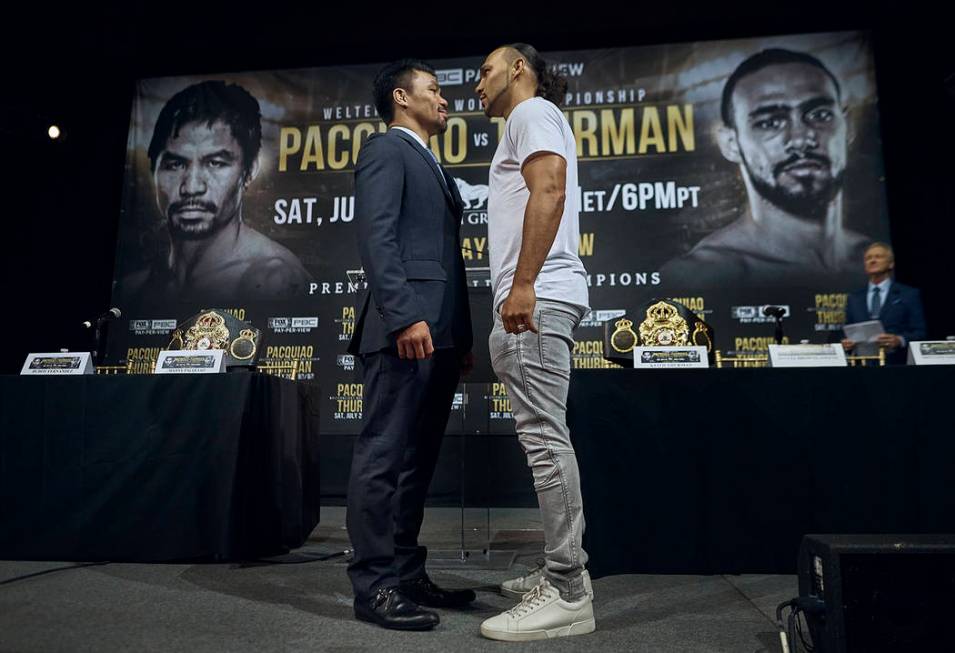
[406, 407]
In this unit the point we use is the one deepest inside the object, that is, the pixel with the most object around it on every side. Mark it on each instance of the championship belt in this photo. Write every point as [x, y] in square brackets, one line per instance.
[659, 323]
[215, 328]
[623, 339]
[664, 326]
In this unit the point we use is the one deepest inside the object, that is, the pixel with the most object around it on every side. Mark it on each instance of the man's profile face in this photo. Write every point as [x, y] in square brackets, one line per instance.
[199, 179]
[878, 260]
[425, 103]
[493, 82]
[791, 134]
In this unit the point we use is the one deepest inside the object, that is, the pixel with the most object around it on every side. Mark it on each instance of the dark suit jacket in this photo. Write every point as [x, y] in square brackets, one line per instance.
[408, 224]
[901, 314]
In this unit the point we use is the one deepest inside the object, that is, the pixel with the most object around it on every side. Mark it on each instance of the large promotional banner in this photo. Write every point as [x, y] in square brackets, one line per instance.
[727, 175]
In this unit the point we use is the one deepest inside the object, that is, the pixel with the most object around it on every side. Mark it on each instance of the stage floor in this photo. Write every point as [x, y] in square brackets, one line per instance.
[305, 604]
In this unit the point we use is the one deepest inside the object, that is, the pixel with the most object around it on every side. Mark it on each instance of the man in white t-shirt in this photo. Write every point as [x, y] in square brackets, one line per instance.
[540, 296]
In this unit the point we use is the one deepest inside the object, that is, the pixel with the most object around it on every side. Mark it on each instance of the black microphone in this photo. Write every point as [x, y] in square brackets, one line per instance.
[778, 313]
[112, 314]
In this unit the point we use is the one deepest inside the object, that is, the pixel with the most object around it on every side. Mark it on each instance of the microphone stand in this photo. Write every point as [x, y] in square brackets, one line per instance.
[98, 341]
[778, 334]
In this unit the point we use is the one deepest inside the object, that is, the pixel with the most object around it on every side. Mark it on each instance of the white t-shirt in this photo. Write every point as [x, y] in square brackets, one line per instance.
[535, 125]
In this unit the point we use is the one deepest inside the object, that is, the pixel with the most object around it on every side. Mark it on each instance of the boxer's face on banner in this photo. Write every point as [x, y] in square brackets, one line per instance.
[791, 136]
[199, 179]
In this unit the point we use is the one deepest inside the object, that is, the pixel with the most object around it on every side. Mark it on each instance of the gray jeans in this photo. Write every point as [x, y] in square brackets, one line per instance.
[535, 369]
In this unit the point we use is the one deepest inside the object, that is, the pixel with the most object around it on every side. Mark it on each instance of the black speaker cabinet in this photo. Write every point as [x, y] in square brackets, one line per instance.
[881, 592]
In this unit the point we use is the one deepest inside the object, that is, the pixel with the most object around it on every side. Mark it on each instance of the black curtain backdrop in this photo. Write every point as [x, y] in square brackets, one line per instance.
[61, 200]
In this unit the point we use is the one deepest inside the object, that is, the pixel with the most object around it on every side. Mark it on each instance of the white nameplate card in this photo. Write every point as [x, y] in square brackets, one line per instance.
[190, 361]
[829, 355]
[59, 363]
[670, 357]
[932, 352]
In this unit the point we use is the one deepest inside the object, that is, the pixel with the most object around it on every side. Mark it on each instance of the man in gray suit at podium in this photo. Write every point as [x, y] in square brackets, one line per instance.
[413, 338]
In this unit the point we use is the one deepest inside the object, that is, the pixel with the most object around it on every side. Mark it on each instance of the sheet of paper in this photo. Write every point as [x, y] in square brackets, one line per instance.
[864, 331]
[864, 334]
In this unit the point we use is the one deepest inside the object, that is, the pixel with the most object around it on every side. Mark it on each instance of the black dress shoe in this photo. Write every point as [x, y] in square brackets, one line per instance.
[423, 592]
[389, 608]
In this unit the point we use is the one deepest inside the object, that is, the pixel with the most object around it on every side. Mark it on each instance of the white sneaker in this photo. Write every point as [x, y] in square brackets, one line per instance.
[521, 585]
[542, 614]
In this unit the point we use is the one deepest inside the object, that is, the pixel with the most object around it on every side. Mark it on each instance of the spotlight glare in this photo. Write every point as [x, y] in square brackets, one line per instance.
[53, 132]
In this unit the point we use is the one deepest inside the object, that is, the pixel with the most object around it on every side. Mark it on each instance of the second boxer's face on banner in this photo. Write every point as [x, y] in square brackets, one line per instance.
[200, 179]
[791, 134]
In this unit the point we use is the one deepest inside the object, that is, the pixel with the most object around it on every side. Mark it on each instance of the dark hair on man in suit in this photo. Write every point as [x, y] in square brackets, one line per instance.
[550, 85]
[209, 102]
[397, 74]
[764, 59]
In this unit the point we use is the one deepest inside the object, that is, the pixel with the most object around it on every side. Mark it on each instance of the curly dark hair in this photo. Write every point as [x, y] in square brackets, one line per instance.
[208, 102]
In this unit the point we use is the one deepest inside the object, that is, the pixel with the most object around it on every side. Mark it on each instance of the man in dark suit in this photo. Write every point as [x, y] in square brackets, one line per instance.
[413, 338]
[897, 306]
